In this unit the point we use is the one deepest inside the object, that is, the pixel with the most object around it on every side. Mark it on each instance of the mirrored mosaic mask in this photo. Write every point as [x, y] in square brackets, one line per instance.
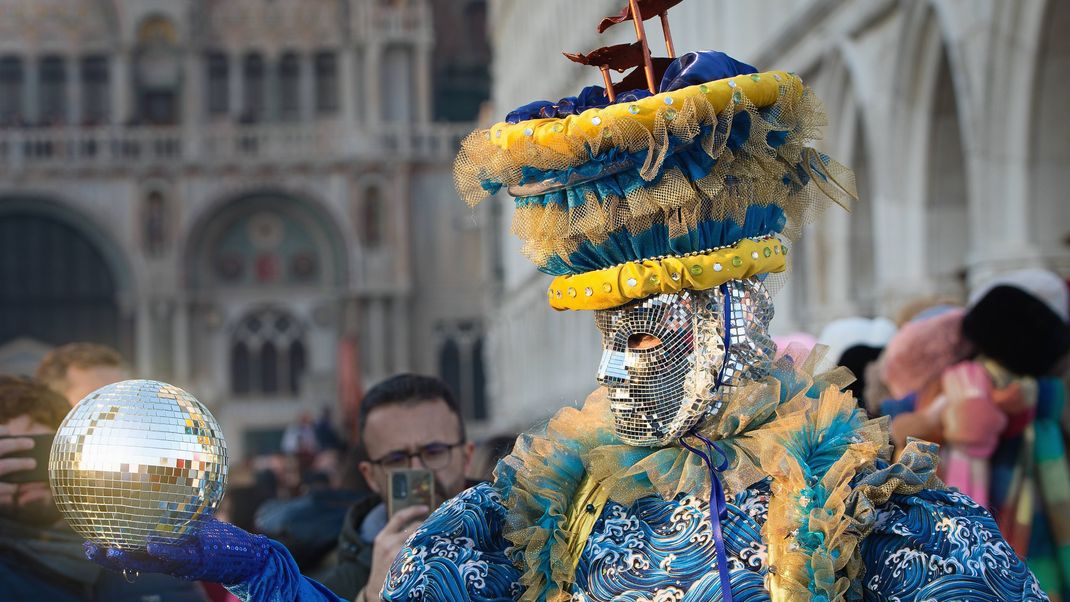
[668, 361]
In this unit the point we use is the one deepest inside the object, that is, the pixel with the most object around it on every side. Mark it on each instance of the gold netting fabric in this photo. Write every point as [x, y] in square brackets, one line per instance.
[791, 175]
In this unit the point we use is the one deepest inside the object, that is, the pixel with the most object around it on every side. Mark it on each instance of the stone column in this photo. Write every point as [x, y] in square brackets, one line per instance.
[466, 341]
[400, 332]
[307, 87]
[235, 73]
[180, 336]
[74, 90]
[423, 82]
[378, 332]
[347, 89]
[120, 87]
[143, 339]
[373, 112]
[193, 98]
[193, 103]
[271, 88]
[31, 89]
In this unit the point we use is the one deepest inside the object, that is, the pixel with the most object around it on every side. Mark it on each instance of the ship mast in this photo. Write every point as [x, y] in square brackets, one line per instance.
[622, 57]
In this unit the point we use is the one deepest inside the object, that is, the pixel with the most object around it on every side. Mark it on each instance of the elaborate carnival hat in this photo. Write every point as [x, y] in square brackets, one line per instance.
[690, 172]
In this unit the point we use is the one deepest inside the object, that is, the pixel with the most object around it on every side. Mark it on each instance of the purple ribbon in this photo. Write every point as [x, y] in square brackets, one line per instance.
[718, 508]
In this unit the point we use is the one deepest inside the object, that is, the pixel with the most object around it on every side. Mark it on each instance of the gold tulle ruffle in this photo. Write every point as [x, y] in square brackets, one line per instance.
[753, 174]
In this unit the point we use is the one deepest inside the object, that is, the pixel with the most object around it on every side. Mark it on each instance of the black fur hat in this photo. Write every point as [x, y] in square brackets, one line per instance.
[1017, 330]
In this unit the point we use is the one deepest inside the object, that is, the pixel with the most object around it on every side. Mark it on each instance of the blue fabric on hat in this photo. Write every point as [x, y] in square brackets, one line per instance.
[696, 68]
[687, 70]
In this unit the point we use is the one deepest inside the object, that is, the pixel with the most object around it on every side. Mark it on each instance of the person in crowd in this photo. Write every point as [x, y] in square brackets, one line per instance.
[1001, 427]
[856, 343]
[326, 434]
[796, 344]
[299, 441]
[487, 455]
[309, 524]
[406, 421]
[40, 557]
[75, 370]
[912, 368]
[924, 307]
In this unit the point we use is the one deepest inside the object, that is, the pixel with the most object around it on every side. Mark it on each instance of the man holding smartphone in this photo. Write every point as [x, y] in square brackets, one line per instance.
[410, 427]
[26, 425]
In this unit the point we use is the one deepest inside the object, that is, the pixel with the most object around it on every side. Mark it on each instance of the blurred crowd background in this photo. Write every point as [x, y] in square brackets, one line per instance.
[252, 200]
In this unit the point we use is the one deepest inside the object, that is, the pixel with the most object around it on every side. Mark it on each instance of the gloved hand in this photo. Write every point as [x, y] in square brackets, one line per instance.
[218, 552]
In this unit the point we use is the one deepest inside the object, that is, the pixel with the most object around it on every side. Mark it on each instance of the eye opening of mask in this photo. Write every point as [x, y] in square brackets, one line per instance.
[643, 340]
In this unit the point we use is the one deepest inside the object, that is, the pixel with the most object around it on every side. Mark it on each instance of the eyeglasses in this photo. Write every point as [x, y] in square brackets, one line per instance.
[433, 456]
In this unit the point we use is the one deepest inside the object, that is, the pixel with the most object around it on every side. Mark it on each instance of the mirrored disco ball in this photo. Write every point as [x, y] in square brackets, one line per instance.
[135, 460]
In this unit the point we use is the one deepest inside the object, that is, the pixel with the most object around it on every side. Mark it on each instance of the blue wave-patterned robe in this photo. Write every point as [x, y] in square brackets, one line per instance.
[934, 545]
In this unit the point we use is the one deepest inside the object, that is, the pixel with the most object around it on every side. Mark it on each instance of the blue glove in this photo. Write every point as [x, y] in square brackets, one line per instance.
[218, 552]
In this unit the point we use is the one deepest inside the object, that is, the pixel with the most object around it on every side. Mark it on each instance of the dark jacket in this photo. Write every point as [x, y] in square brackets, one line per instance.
[50, 564]
[308, 525]
[354, 555]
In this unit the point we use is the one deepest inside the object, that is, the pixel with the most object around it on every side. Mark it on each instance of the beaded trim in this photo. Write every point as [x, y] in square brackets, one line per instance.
[667, 274]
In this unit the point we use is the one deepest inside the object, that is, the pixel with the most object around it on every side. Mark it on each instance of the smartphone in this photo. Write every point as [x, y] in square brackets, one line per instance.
[42, 448]
[409, 487]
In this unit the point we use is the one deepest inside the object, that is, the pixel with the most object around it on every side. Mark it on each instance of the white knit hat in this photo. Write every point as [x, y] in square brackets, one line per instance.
[840, 335]
[1045, 285]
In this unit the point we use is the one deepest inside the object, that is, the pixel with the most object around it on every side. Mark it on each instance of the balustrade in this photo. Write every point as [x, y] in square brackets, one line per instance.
[67, 148]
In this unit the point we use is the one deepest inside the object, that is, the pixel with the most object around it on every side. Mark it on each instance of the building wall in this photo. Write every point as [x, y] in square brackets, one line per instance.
[220, 135]
[951, 112]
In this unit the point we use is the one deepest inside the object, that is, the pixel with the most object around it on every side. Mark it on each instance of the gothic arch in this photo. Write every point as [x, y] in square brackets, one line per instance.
[929, 159]
[312, 217]
[87, 225]
[1013, 62]
[854, 145]
[73, 282]
[1048, 134]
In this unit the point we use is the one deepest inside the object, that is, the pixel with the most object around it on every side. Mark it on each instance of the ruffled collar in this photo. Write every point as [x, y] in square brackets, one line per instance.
[792, 426]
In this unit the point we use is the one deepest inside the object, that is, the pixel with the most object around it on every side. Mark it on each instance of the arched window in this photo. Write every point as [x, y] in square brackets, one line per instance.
[449, 365]
[217, 72]
[158, 71]
[53, 100]
[55, 284]
[253, 105]
[460, 365]
[326, 82]
[267, 247]
[479, 382]
[289, 87]
[12, 83]
[267, 355]
[371, 218]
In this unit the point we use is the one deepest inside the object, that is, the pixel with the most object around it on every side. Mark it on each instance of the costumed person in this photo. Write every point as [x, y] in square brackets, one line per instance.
[700, 470]
[912, 367]
[797, 344]
[856, 344]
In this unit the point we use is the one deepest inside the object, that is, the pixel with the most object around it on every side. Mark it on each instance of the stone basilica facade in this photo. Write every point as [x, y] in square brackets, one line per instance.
[251, 199]
[952, 113]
